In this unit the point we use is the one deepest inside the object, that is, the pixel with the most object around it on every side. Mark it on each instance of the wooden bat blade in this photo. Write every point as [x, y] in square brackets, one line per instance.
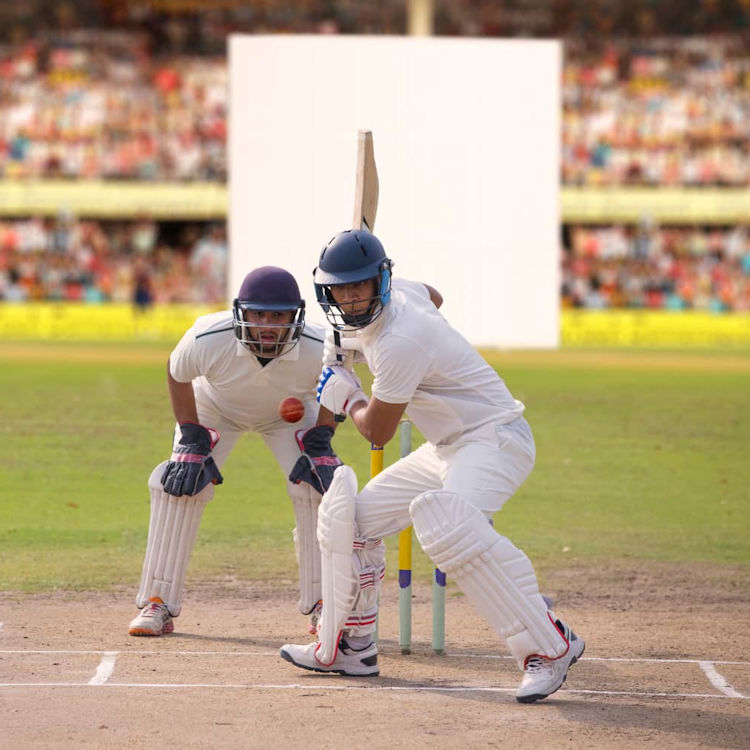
[366, 186]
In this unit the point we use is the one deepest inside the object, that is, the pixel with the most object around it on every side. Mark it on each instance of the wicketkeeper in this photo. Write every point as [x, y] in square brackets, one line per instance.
[226, 377]
[478, 451]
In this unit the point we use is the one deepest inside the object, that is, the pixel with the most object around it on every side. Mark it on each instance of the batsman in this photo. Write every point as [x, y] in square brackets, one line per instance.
[226, 378]
[479, 449]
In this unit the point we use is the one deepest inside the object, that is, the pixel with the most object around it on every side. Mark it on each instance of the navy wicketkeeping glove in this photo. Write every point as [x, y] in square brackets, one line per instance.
[191, 466]
[318, 461]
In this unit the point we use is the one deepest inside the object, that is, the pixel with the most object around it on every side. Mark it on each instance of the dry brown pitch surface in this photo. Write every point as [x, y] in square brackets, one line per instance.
[666, 666]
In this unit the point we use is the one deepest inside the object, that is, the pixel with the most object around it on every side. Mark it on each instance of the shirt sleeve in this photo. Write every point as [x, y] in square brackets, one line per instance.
[399, 367]
[184, 361]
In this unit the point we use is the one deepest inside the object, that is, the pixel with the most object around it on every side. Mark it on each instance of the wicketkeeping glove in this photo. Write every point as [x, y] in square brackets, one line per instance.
[339, 389]
[318, 461]
[191, 466]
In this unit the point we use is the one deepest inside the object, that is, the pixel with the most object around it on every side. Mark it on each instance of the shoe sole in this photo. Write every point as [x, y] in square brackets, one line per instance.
[540, 696]
[326, 670]
[166, 630]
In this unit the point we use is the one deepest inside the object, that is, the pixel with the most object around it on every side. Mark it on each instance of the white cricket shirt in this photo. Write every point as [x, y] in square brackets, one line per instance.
[231, 377]
[416, 357]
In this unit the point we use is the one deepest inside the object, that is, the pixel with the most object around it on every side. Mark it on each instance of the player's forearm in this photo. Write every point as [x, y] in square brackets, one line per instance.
[183, 399]
[435, 296]
[325, 416]
[370, 425]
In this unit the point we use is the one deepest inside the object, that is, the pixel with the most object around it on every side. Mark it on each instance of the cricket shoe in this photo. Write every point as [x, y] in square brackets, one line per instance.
[362, 663]
[154, 619]
[542, 676]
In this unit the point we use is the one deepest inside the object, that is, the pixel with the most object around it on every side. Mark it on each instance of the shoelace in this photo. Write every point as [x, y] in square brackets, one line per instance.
[153, 610]
[534, 664]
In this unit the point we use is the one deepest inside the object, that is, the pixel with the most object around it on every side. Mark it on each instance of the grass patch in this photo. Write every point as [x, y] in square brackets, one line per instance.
[640, 455]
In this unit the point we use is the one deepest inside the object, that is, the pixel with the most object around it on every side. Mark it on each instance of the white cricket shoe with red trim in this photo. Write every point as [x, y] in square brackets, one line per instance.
[362, 663]
[154, 619]
[543, 676]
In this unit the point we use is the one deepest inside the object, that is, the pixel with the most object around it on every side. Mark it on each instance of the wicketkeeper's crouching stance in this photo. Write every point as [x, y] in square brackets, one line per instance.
[230, 371]
[479, 450]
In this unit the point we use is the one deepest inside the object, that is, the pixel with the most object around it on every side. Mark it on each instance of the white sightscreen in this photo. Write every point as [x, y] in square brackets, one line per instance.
[466, 137]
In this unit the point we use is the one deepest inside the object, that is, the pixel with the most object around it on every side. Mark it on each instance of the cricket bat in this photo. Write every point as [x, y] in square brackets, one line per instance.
[366, 186]
[366, 191]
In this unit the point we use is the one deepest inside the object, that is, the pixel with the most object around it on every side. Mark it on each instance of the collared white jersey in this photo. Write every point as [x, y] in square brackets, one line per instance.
[417, 358]
[244, 392]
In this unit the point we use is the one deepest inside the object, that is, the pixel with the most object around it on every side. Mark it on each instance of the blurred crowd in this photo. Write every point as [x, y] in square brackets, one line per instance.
[139, 261]
[653, 94]
[103, 104]
[677, 268]
[659, 112]
[97, 104]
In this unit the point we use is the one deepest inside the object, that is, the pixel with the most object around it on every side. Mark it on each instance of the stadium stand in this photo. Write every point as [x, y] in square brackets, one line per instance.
[655, 96]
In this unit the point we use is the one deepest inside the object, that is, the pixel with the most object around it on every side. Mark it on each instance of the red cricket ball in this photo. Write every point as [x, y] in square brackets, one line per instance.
[291, 409]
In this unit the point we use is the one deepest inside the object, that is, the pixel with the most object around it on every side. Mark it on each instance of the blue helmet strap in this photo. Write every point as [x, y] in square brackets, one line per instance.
[385, 286]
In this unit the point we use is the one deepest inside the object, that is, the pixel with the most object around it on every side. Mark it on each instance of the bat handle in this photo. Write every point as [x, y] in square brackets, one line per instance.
[347, 362]
[337, 341]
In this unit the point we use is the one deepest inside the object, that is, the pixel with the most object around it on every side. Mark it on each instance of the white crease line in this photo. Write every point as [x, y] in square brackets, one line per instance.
[375, 688]
[139, 652]
[602, 658]
[105, 668]
[718, 681]
[394, 655]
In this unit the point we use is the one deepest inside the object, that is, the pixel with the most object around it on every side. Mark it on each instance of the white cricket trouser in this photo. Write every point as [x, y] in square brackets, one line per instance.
[164, 574]
[485, 467]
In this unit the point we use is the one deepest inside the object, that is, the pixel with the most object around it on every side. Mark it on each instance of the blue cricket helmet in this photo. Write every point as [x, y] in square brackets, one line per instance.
[352, 256]
[273, 289]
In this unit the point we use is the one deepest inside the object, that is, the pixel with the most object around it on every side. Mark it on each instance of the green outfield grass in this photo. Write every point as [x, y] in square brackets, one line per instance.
[641, 456]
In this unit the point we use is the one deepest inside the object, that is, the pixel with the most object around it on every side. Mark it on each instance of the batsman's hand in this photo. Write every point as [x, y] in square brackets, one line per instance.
[191, 467]
[318, 461]
[339, 389]
[340, 350]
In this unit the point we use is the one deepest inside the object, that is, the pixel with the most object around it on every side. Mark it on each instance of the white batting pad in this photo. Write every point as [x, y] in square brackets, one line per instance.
[171, 536]
[340, 581]
[495, 575]
[369, 561]
[306, 501]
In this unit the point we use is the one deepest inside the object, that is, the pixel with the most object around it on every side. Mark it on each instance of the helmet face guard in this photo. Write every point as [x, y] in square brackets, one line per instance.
[268, 289]
[342, 316]
[248, 332]
[351, 257]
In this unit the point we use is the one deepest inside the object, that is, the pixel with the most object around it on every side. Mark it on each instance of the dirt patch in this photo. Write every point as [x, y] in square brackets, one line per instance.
[218, 681]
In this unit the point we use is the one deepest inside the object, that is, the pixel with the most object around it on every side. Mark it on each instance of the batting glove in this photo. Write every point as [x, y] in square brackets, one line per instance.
[339, 389]
[338, 349]
[191, 467]
[318, 461]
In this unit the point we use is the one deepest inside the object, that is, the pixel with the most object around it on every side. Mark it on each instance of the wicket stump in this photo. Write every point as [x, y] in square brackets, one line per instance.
[404, 578]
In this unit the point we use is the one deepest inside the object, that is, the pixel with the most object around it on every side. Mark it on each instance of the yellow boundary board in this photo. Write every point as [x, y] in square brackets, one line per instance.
[81, 322]
[114, 199]
[209, 200]
[657, 329]
[579, 328]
